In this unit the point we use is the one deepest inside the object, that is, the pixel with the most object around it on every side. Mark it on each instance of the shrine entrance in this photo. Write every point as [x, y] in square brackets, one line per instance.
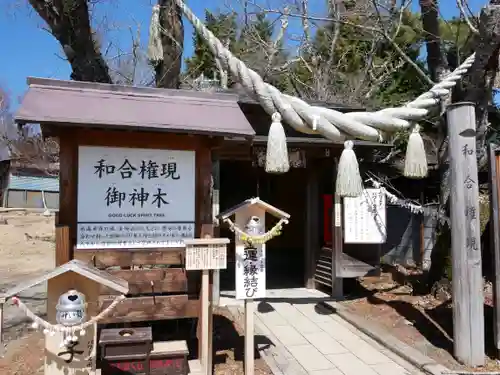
[285, 254]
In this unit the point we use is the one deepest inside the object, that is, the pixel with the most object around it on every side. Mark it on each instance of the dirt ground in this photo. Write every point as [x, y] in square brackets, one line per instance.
[424, 322]
[27, 247]
[27, 244]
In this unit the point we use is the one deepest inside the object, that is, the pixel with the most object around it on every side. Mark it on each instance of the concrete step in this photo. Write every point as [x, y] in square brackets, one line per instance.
[195, 367]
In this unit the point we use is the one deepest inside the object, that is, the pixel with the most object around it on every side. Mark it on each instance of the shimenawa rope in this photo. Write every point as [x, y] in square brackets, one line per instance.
[336, 126]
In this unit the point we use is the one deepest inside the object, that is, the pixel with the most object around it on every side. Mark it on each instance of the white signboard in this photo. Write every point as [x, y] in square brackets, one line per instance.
[206, 257]
[250, 272]
[131, 197]
[365, 218]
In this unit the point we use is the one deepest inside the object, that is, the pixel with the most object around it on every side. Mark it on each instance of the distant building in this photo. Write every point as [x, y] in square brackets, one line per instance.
[29, 188]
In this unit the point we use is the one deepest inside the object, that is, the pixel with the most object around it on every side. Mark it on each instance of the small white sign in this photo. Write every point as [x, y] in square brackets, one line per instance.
[365, 218]
[250, 272]
[206, 257]
[130, 197]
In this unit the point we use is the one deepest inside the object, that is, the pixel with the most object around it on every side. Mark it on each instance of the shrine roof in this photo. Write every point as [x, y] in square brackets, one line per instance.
[77, 266]
[257, 202]
[89, 104]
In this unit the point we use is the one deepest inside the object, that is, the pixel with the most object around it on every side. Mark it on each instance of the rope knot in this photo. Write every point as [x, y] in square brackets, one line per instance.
[348, 145]
[276, 117]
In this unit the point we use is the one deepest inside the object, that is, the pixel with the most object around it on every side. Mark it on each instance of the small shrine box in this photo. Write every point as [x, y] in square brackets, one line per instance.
[169, 358]
[126, 350]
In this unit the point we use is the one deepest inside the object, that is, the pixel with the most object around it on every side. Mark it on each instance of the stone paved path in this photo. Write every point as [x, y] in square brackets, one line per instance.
[302, 337]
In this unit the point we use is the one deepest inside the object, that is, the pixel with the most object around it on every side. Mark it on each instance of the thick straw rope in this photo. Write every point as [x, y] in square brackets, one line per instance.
[52, 328]
[259, 238]
[331, 124]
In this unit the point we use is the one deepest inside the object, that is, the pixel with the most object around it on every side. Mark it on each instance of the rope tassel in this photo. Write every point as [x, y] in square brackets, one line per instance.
[349, 182]
[155, 48]
[277, 150]
[416, 158]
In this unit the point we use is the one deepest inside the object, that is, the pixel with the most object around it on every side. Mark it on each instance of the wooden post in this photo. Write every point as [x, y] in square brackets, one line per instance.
[205, 316]
[63, 247]
[494, 162]
[337, 242]
[249, 337]
[205, 322]
[467, 281]
[422, 231]
[242, 218]
[215, 212]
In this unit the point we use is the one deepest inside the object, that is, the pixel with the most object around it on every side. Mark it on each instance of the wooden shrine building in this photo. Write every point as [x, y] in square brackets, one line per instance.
[228, 134]
[302, 255]
[114, 139]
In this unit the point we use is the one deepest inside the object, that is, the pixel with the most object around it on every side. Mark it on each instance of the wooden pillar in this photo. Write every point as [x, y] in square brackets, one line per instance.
[311, 224]
[204, 229]
[215, 212]
[494, 161]
[63, 247]
[467, 281]
[68, 191]
[337, 241]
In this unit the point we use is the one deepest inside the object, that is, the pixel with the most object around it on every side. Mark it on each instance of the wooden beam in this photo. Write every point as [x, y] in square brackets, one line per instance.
[311, 224]
[494, 160]
[467, 281]
[135, 139]
[131, 257]
[68, 191]
[139, 309]
[63, 247]
[144, 281]
[337, 242]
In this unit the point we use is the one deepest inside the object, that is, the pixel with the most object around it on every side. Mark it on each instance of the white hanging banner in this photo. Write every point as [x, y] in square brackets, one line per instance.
[365, 218]
[250, 272]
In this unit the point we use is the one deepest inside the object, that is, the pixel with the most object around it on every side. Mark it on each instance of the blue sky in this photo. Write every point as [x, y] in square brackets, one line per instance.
[29, 50]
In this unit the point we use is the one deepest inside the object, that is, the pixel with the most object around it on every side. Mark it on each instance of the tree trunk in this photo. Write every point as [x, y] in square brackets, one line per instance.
[475, 87]
[168, 71]
[69, 22]
[430, 24]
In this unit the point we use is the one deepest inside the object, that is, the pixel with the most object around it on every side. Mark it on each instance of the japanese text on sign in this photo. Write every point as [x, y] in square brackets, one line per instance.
[116, 235]
[471, 241]
[206, 257]
[365, 218]
[150, 192]
[250, 273]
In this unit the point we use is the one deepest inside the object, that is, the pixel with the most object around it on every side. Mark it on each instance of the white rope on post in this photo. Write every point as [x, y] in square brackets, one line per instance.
[331, 124]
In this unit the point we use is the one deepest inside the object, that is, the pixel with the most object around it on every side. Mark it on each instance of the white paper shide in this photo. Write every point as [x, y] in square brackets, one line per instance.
[131, 197]
[365, 218]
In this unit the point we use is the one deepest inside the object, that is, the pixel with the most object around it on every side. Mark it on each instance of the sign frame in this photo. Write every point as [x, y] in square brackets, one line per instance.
[133, 213]
[368, 230]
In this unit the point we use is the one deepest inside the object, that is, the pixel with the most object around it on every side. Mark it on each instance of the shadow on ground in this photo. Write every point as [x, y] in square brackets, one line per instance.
[434, 324]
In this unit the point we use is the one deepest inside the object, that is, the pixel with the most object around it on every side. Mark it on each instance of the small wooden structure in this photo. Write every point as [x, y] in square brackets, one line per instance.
[169, 133]
[80, 276]
[244, 212]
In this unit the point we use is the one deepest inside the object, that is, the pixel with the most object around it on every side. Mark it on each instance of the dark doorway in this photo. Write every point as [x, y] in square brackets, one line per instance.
[285, 254]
